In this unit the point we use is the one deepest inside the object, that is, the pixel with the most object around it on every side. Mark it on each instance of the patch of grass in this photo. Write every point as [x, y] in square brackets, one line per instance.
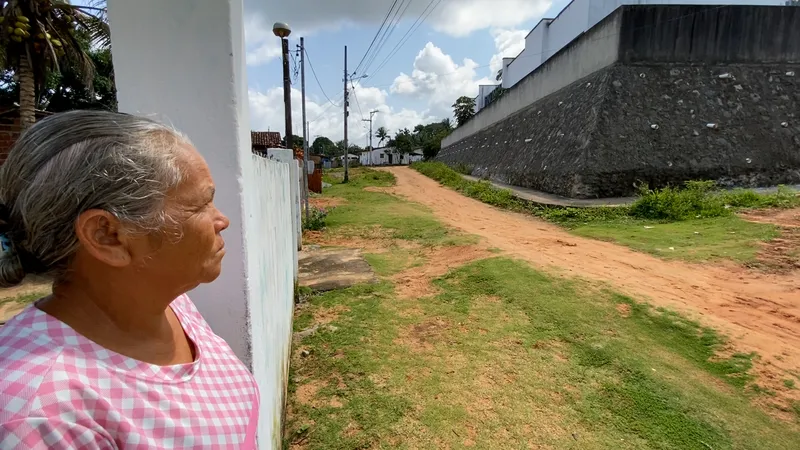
[508, 357]
[393, 261]
[367, 210]
[693, 240]
[789, 383]
[339, 365]
[24, 299]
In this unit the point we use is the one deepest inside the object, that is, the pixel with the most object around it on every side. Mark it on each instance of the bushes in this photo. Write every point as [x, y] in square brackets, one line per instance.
[316, 219]
[702, 199]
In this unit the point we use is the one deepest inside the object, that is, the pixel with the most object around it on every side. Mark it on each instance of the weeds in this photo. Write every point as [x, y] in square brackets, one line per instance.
[315, 220]
[696, 200]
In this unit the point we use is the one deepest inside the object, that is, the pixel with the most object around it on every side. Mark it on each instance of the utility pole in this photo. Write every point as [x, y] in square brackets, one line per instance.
[371, 113]
[346, 101]
[282, 31]
[305, 125]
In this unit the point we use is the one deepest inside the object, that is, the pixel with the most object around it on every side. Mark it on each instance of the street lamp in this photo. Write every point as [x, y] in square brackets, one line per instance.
[283, 31]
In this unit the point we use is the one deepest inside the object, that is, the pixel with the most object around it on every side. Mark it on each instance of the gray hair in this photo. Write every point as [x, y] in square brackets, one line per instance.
[75, 161]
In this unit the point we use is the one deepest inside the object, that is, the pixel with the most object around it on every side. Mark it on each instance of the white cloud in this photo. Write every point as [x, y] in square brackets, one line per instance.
[454, 17]
[438, 79]
[261, 44]
[462, 17]
[509, 43]
[266, 113]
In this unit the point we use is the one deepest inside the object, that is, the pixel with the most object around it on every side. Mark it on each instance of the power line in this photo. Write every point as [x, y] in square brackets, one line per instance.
[414, 26]
[327, 107]
[377, 33]
[314, 72]
[388, 34]
[353, 85]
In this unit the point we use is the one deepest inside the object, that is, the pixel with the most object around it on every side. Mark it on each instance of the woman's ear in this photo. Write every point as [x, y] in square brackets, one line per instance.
[101, 235]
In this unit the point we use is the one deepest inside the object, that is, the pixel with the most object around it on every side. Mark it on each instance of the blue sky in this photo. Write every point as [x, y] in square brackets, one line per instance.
[456, 48]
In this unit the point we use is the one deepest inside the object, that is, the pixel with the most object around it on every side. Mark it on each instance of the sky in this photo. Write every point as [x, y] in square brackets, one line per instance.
[415, 76]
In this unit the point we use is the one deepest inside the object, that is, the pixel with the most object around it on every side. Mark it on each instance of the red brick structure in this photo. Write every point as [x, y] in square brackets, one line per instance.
[262, 140]
[10, 129]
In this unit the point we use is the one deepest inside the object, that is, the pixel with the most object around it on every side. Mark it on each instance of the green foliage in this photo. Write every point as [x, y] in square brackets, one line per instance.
[324, 146]
[382, 134]
[702, 199]
[316, 219]
[463, 109]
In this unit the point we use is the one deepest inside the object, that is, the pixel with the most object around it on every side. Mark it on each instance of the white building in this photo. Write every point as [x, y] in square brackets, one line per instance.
[389, 156]
[552, 34]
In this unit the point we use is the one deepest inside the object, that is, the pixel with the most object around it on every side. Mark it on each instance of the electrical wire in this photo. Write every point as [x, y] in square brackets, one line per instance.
[388, 34]
[313, 72]
[414, 26]
[371, 44]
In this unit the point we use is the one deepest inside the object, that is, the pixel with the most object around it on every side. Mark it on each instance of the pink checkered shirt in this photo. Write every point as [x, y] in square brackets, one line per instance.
[59, 390]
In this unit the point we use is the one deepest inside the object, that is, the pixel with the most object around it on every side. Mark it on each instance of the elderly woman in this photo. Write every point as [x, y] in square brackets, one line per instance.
[119, 211]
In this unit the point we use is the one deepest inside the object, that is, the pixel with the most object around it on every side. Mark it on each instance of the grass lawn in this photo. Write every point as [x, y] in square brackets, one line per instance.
[692, 240]
[505, 357]
[366, 212]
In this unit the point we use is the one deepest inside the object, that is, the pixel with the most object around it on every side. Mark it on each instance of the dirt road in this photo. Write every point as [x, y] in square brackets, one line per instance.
[760, 312]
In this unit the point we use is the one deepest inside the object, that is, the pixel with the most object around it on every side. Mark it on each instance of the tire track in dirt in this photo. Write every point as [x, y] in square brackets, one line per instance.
[758, 311]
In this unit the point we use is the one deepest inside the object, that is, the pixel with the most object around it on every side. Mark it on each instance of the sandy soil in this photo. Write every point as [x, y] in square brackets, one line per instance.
[32, 285]
[758, 311]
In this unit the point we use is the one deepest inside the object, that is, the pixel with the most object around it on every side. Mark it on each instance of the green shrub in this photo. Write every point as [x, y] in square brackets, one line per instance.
[696, 200]
[462, 169]
[316, 219]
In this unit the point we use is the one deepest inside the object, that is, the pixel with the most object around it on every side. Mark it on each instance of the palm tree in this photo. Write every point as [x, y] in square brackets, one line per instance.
[382, 134]
[38, 35]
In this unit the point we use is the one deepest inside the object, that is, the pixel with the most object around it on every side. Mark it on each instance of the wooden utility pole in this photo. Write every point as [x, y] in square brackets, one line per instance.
[305, 131]
[346, 103]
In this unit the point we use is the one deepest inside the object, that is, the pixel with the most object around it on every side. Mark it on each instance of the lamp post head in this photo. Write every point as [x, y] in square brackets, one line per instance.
[281, 30]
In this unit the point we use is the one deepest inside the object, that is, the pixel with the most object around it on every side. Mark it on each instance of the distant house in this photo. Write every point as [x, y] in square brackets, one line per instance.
[389, 156]
[350, 157]
[263, 140]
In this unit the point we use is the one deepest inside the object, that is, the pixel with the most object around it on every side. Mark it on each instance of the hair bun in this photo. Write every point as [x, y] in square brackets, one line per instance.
[11, 270]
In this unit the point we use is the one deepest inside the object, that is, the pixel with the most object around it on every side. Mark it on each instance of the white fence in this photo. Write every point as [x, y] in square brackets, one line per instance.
[270, 215]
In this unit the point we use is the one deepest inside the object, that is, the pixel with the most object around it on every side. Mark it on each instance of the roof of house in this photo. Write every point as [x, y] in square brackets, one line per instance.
[270, 139]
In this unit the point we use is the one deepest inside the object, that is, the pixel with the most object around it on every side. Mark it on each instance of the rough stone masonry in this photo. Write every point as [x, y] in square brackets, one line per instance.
[657, 123]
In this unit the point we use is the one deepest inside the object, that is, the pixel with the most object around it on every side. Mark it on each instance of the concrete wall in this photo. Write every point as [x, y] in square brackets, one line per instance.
[598, 48]
[710, 34]
[551, 34]
[183, 62]
[629, 124]
[271, 285]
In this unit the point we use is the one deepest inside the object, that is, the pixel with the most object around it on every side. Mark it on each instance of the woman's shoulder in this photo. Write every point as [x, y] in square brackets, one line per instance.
[28, 354]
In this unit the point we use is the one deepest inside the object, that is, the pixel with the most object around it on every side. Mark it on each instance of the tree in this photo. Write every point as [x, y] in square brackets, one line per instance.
[463, 109]
[382, 134]
[297, 141]
[324, 146]
[40, 36]
[404, 141]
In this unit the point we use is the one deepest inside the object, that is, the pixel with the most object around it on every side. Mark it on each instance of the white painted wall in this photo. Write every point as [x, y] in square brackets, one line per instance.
[483, 91]
[271, 286]
[183, 61]
[599, 50]
[287, 156]
[551, 34]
